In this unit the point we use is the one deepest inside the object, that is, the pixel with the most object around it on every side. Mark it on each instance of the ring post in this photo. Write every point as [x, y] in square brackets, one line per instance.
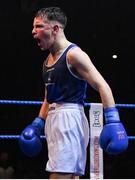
[96, 153]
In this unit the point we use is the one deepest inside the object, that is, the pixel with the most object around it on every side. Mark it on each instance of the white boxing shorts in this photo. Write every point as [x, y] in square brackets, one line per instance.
[67, 135]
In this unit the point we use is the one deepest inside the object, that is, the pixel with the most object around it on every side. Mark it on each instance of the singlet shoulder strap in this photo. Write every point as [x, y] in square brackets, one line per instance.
[70, 46]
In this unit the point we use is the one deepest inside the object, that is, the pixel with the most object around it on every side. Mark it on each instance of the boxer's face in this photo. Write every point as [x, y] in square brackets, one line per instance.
[43, 33]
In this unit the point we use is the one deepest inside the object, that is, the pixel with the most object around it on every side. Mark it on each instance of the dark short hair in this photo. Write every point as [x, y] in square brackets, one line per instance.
[53, 14]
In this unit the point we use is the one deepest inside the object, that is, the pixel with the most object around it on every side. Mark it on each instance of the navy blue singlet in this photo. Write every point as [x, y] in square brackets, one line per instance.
[61, 84]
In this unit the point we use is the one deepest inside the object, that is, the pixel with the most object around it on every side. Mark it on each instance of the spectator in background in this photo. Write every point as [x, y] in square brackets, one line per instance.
[6, 169]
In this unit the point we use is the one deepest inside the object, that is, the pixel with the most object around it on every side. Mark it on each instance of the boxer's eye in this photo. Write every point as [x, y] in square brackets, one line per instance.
[39, 26]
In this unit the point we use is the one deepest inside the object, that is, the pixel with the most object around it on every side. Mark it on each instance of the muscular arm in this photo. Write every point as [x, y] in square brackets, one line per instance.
[113, 129]
[44, 108]
[29, 140]
[82, 63]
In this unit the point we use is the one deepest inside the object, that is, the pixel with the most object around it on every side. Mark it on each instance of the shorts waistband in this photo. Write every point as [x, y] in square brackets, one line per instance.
[57, 106]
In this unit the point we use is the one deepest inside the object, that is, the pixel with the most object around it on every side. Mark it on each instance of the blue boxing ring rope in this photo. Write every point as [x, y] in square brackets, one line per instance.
[22, 102]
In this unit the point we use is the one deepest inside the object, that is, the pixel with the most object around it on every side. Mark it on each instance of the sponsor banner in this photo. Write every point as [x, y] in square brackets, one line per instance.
[96, 153]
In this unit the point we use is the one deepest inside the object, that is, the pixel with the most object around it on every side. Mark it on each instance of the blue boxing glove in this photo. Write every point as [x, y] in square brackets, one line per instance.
[113, 138]
[29, 141]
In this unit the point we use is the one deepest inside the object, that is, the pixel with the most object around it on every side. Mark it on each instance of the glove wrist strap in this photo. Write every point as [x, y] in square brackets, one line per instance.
[111, 115]
[39, 122]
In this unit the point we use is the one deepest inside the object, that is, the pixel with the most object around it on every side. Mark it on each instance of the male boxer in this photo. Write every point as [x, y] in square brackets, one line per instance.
[66, 72]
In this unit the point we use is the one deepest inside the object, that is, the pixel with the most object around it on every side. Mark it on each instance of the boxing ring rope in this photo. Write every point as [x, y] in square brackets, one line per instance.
[21, 102]
[8, 137]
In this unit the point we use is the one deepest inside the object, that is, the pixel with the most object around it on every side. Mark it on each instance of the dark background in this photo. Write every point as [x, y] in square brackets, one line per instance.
[100, 28]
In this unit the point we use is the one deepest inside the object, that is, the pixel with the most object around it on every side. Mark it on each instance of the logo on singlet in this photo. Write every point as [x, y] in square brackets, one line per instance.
[49, 79]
